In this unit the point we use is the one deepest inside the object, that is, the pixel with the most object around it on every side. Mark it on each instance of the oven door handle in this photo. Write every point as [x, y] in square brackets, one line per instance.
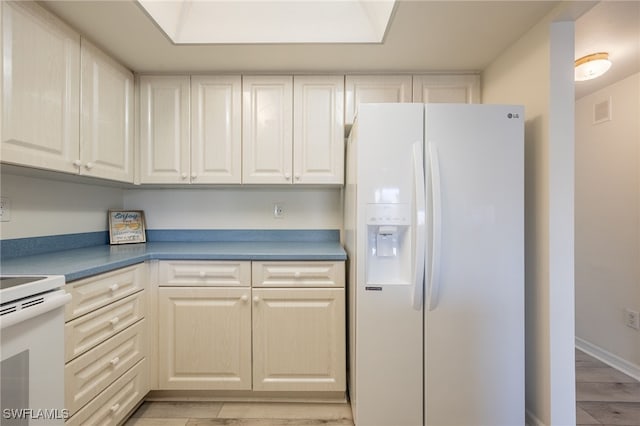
[50, 304]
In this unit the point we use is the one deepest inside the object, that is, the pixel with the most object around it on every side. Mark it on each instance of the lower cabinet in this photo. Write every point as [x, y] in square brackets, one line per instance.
[204, 338]
[106, 341]
[248, 337]
[298, 339]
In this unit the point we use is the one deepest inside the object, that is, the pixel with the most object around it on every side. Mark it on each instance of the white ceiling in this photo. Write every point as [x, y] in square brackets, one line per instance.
[613, 27]
[423, 35]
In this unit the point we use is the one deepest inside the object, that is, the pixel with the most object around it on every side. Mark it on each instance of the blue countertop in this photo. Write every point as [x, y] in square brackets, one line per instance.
[83, 262]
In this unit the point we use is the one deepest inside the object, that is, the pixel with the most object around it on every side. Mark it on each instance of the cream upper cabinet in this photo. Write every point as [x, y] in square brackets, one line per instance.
[318, 129]
[216, 129]
[267, 114]
[204, 338]
[106, 125]
[164, 129]
[298, 339]
[377, 89]
[41, 89]
[464, 88]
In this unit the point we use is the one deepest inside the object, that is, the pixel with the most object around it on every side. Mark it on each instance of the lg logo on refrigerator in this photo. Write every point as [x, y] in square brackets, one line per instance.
[513, 115]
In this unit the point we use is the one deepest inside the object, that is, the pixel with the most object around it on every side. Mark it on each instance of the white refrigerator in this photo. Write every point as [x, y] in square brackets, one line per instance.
[434, 231]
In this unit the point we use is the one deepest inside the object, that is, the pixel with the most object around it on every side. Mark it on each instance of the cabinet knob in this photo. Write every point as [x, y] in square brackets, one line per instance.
[194, 175]
[114, 361]
[297, 274]
[114, 408]
[287, 176]
[244, 298]
[114, 321]
[297, 177]
[184, 176]
[203, 274]
[256, 299]
[77, 163]
[89, 165]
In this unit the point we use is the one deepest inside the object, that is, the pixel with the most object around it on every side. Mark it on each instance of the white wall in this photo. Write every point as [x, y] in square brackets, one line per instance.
[537, 71]
[237, 208]
[41, 207]
[608, 220]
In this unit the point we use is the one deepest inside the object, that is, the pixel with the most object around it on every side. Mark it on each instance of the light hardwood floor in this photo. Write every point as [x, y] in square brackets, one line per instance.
[604, 395]
[240, 414]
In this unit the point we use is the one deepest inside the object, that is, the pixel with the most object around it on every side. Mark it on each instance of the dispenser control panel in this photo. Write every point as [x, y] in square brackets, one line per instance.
[389, 214]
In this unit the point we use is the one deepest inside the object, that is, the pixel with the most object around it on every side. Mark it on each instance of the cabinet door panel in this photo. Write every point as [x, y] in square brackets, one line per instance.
[375, 89]
[298, 340]
[318, 149]
[216, 144]
[41, 60]
[204, 338]
[267, 129]
[106, 126]
[461, 89]
[164, 129]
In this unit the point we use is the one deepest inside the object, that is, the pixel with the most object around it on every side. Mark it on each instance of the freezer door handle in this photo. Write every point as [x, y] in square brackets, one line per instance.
[436, 242]
[420, 226]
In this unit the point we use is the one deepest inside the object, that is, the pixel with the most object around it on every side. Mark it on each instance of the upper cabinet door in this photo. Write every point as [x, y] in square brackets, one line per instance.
[460, 89]
[164, 129]
[267, 129]
[41, 85]
[216, 129]
[318, 129]
[375, 89]
[106, 125]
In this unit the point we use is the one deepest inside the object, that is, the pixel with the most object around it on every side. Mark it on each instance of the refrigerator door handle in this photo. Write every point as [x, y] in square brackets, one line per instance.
[420, 226]
[434, 280]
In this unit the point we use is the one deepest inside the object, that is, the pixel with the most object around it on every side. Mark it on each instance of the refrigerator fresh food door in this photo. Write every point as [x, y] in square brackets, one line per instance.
[474, 309]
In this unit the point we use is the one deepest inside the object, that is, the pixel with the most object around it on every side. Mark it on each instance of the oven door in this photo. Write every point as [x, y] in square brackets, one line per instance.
[32, 364]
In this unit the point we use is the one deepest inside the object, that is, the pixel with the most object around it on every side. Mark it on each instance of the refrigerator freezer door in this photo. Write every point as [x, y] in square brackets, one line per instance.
[386, 386]
[474, 332]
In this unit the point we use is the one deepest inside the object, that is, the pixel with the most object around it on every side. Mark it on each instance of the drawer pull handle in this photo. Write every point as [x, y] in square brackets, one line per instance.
[114, 287]
[244, 298]
[114, 408]
[114, 361]
[114, 321]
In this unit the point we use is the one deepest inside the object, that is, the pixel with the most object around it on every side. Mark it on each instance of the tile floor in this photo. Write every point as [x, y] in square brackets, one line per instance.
[240, 414]
[604, 395]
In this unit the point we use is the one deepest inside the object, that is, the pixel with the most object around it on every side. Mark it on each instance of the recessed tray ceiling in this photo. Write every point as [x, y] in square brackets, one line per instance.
[271, 22]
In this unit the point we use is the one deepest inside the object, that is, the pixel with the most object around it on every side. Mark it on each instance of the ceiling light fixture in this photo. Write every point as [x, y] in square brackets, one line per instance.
[592, 66]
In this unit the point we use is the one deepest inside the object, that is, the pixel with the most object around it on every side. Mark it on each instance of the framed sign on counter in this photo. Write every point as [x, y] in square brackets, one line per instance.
[126, 227]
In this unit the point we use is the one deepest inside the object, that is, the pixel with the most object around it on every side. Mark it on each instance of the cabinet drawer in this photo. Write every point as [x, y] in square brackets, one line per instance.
[89, 374]
[203, 273]
[93, 293]
[82, 334]
[113, 405]
[298, 274]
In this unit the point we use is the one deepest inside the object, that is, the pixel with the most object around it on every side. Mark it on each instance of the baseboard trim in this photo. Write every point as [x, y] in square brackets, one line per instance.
[532, 420]
[620, 364]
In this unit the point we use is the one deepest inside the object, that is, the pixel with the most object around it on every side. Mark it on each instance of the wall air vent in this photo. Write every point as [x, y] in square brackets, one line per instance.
[602, 111]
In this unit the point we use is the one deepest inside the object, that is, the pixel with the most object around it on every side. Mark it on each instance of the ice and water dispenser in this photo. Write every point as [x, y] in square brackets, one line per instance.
[388, 244]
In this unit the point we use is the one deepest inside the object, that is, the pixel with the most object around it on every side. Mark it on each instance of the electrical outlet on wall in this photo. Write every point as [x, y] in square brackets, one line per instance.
[632, 318]
[5, 209]
[278, 210]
